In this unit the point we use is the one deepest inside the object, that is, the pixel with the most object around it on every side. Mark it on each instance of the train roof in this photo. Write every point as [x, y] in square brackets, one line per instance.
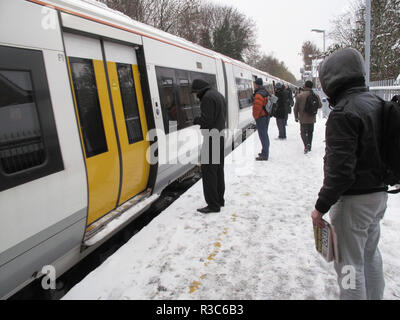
[100, 11]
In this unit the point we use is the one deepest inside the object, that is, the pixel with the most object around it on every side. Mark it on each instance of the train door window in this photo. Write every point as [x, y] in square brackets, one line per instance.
[129, 102]
[88, 104]
[29, 147]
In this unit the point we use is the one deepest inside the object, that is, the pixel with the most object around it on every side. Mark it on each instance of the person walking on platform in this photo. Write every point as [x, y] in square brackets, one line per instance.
[262, 118]
[289, 103]
[212, 125]
[281, 111]
[306, 119]
[353, 188]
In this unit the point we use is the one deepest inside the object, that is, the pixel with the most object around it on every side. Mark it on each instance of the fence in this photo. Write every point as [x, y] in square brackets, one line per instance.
[385, 89]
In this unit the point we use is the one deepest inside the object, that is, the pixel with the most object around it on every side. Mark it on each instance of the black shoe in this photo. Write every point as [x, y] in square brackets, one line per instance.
[262, 158]
[207, 210]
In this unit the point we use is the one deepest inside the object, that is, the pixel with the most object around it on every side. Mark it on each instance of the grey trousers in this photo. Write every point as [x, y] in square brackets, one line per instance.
[356, 220]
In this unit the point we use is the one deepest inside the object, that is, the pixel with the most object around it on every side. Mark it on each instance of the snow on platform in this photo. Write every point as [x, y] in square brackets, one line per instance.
[259, 247]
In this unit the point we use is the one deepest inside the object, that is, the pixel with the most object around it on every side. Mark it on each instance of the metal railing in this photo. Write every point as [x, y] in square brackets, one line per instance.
[385, 89]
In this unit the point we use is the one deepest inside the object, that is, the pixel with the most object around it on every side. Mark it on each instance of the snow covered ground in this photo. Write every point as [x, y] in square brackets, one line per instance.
[259, 247]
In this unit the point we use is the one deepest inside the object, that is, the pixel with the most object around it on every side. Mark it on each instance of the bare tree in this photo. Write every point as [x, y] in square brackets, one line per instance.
[309, 51]
[220, 28]
[349, 31]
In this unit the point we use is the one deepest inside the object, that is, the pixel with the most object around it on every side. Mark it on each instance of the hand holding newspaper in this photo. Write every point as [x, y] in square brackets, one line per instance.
[326, 242]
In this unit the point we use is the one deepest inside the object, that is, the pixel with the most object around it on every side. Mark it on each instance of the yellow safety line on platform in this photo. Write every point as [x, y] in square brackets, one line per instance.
[196, 284]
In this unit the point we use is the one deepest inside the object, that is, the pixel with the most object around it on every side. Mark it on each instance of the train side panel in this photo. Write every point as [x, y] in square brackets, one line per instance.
[174, 66]
[43, 187]
[245, 88]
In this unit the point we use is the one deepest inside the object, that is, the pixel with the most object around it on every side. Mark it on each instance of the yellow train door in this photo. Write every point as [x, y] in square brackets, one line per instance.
[96, 124]
[130, 117]
[112, 121]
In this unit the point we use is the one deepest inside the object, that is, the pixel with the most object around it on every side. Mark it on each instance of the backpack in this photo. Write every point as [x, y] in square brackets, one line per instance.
[312, 104]
[396, 99]
[390, 150]
[270, 107]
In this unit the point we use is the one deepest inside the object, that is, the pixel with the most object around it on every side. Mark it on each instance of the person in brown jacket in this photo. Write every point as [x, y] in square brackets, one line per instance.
[262, 118]
[307, 120]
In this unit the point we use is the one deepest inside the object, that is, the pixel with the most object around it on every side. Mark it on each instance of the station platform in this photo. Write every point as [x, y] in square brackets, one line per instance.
[259, 247]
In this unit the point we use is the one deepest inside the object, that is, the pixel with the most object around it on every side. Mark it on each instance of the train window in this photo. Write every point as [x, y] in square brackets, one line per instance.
[185, 103]
[21, 142]
[245, 92]
[29, 147]
[88, 105]
[166, 88]
[168, 105]
[210, 78]
[179, 105]
[129, 101]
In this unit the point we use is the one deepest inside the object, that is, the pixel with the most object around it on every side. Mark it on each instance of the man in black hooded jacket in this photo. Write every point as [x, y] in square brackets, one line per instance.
[282, 110]
[212, 124]
[353, 188]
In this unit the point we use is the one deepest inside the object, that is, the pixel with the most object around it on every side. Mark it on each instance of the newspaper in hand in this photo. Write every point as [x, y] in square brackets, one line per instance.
[326, 242]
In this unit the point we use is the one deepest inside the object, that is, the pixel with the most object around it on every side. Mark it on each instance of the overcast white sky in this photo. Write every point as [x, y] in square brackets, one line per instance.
[283, 25]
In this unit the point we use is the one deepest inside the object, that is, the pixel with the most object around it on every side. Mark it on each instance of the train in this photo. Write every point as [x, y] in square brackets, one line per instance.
[81, 88]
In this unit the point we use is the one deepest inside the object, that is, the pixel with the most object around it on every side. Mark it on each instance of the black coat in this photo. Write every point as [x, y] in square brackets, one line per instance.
[213, 109]
[283, 103]
[352, 163]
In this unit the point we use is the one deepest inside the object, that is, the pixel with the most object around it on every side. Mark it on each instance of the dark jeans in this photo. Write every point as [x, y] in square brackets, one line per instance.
[213, 178]
[281, 123]
[262, 128]
[307, 131]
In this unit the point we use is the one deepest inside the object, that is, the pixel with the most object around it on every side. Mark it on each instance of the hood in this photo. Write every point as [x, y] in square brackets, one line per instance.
[342, 70]
[199, 85]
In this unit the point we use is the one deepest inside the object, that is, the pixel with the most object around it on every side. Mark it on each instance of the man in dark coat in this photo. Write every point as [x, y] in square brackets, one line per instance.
[290, 102]
[307, 120]
[353, 188]
[282, 110]
[212, 123]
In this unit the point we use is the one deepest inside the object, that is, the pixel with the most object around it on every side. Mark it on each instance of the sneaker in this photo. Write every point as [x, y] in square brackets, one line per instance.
[208, 210]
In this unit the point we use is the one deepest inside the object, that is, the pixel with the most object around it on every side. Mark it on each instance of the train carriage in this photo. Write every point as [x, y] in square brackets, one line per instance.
[81, 89]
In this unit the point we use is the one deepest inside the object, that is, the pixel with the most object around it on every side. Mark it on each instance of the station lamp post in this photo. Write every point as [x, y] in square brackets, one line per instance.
[368, 41]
